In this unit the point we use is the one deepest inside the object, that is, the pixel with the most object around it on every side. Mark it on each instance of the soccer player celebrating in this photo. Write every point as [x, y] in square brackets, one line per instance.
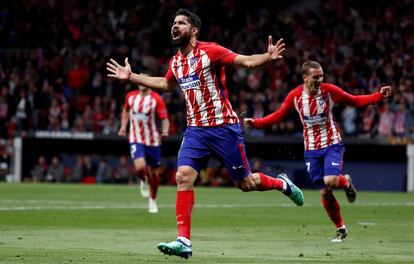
[141, 109]
[213, 126]
[324, 150]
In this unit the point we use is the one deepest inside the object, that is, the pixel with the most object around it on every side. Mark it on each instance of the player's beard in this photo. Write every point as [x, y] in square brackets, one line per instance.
[182, 41]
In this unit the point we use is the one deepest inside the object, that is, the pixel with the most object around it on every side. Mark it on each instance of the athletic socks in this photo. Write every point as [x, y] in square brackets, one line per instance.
[270, 183]
[342, 182]
[332, 208]
[183, 209]
[154, 182]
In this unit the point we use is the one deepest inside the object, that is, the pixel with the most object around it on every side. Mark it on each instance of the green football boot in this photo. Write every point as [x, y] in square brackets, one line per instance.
[295, 194]
[176, 248]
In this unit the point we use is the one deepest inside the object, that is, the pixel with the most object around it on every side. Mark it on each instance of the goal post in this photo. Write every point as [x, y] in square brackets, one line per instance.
[410, 168]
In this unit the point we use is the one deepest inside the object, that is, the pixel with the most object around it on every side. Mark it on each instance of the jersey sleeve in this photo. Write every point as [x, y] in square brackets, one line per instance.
[221, 54]
[278, 115]
[161, 109]
[339, 96]
[170, 75]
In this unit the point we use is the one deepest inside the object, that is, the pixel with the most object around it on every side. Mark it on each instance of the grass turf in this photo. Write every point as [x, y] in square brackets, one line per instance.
[53, 223]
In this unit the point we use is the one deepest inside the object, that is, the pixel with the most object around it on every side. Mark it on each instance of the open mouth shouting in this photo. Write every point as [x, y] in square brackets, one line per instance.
[175, 34]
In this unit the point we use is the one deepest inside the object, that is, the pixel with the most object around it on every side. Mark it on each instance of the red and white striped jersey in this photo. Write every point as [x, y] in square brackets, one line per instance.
[201, 76]
[315, 111]
[143, 111]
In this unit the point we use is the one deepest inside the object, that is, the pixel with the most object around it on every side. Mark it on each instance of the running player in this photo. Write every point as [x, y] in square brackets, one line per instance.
[324, 150]
[141, 109]
[213, 126]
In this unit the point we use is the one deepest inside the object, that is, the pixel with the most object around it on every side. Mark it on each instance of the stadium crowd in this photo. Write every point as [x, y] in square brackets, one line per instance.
[53, 55]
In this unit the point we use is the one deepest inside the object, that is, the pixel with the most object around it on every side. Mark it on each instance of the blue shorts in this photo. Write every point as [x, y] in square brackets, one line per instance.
[226, 143]
[152, 155]
[324, 162]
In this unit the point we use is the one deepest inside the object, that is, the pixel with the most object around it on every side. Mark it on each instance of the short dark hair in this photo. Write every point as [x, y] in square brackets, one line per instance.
[195, 20]
[307, 65]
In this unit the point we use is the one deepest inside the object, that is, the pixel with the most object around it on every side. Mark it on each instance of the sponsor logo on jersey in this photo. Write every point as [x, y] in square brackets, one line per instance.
[140, 116]
[190, 82]
[315, 120]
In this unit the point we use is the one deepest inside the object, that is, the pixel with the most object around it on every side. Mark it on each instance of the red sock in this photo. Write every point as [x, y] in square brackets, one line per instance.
[342, 182]
[332, 207]
[183, 208]
[142, 174]
[154, 182]
[269, 183]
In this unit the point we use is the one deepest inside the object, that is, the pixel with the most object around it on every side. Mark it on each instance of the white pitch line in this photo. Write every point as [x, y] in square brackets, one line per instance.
[89, 206]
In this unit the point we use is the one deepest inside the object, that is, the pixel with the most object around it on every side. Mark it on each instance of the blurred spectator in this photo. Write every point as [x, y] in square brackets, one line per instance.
[349, 115]
[39, 171]
[124, 172]
[55, 173]
[78, 170]
[104, 172]
[358, 51]
[386, 120]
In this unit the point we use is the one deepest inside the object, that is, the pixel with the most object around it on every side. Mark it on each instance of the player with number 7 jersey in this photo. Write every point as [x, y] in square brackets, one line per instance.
[324, 150]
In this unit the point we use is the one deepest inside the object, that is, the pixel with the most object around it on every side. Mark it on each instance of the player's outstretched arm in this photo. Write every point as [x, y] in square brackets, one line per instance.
[274, 52]
[120, 72]
[342, 97]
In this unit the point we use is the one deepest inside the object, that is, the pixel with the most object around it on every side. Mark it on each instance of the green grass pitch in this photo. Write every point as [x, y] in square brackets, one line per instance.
[42, 223]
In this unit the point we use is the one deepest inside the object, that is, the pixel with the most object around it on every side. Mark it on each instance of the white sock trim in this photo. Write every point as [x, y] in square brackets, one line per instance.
[284, 185]
[185, 240]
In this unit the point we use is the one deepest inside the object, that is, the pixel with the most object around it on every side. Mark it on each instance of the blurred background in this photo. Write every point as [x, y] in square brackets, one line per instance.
[59, 113]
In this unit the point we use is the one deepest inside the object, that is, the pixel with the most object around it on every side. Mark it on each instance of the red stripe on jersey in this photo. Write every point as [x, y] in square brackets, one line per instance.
[150, 120]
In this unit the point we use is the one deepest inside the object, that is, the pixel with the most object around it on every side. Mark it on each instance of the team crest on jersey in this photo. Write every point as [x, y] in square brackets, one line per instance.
[322, 104]
[193, 63]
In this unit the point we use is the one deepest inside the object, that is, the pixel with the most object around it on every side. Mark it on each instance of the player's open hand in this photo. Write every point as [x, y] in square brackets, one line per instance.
[275, 51]
[248, 122]
[386, 91]
[117, 71]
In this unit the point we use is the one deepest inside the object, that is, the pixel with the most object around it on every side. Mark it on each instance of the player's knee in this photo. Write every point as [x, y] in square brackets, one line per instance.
[330, 181]
[184, 176]
[139, 168]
